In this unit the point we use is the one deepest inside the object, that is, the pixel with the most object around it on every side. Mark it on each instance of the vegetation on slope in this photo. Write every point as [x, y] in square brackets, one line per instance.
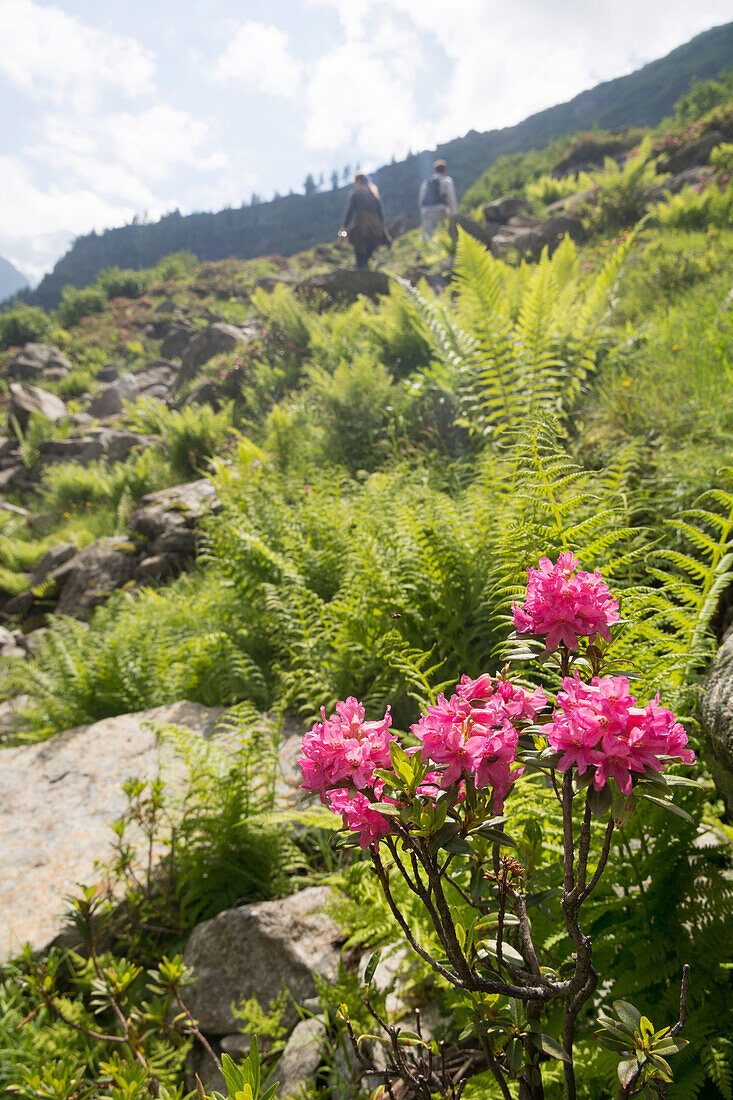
[387, 472]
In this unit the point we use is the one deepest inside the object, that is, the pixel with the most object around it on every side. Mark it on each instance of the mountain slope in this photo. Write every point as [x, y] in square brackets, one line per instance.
[11, 280]
[296, 222]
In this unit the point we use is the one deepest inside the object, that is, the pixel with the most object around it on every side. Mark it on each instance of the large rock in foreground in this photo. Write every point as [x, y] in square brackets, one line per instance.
[253, 950]
[716, 716]
[59, 801]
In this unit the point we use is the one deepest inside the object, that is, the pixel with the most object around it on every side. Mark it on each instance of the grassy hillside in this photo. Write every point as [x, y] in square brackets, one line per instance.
[387, 469]
[295, 222]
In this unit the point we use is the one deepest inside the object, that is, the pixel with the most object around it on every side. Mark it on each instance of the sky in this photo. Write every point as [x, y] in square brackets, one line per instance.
[115, 109]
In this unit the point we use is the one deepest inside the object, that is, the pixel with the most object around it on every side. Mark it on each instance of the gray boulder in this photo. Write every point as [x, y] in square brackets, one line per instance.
[58, 555]
[92, 574]
[108, 402]
[59, 801]
[346, 284]
[37, 360]
[114, 444]
[501, 210]
[571, 204]
[481, 233]
[530, 240]
[157, 380]
[689, 156]
[176, 336]
[26, 400]
[255, 950]
[217, 339]
[166, 520]
[716, 718]
[303, 1054]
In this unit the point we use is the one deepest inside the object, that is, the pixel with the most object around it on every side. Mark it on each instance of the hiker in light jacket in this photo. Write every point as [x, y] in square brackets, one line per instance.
[367, 231]
[437, 199]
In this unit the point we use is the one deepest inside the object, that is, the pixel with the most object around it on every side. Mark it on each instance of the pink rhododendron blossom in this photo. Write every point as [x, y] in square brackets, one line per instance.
[345, 749]
[563, 605]
[600, 726]
[357, 815]
[475, 732]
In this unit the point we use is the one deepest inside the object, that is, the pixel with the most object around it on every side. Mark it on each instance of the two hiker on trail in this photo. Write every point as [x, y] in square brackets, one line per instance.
[367, 231]
[363, 221]
[437, 199]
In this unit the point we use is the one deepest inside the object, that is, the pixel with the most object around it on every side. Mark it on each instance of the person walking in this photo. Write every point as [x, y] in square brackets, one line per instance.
[437, 199]
[365, 208]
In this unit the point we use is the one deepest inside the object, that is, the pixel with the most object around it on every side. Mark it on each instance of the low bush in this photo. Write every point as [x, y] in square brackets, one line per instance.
[23, 324]
[78, 303]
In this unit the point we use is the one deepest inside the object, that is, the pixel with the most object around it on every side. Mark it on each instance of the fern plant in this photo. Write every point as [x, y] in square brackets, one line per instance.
[520, 343]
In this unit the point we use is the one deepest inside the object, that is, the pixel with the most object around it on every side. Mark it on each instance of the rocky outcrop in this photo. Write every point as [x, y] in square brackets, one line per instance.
[255, 950]
[501, 210]
[163, 540]
[175, 337]
[39, 361]
[60, 799]
[113, 444]
[109, 401]
[92, 574]
[691, 155]
[716, 717]
[346, 284]
[530, 239]
[25, 400]
[217, 339]
[167, 520]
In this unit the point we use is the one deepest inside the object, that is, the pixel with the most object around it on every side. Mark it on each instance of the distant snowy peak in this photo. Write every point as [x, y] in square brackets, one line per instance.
[11, 280]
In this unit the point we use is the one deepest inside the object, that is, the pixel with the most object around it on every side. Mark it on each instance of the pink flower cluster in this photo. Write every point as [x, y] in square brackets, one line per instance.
[340, 757]
[563, 605]
[475, 732]
[600, 726]
[344, 749]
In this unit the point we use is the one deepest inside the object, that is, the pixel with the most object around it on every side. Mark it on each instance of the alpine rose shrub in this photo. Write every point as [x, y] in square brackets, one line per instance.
[562, 607]
[473, 737]
[599, 725]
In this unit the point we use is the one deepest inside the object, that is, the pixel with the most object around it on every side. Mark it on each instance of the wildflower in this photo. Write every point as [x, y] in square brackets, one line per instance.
[600, 726]
[474, 733]
[626, 382]
[345, 749]
[675, 347]
[358, 816]
[563, 605]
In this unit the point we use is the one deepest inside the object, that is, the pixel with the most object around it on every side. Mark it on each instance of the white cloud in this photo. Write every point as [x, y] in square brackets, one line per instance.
[48, 53]
[259, 54]
[362, 92]
[28, 208]
[505, 61]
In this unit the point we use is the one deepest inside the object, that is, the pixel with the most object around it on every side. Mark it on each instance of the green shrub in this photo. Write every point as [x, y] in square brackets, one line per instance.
[547, 189]
[73, 485]
[695, 208]
[122, 284]
[702, 97]
[79, 303]
[191, 435]
[354, 407]
[78, 382]
[23, 325]
[622, 192]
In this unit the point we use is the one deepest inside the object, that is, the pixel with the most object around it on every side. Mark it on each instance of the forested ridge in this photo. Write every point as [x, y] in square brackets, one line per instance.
[294, 222]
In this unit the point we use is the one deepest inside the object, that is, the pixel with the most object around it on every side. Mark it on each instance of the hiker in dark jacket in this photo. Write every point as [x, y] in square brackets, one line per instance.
[437, 199]
[365, 208]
